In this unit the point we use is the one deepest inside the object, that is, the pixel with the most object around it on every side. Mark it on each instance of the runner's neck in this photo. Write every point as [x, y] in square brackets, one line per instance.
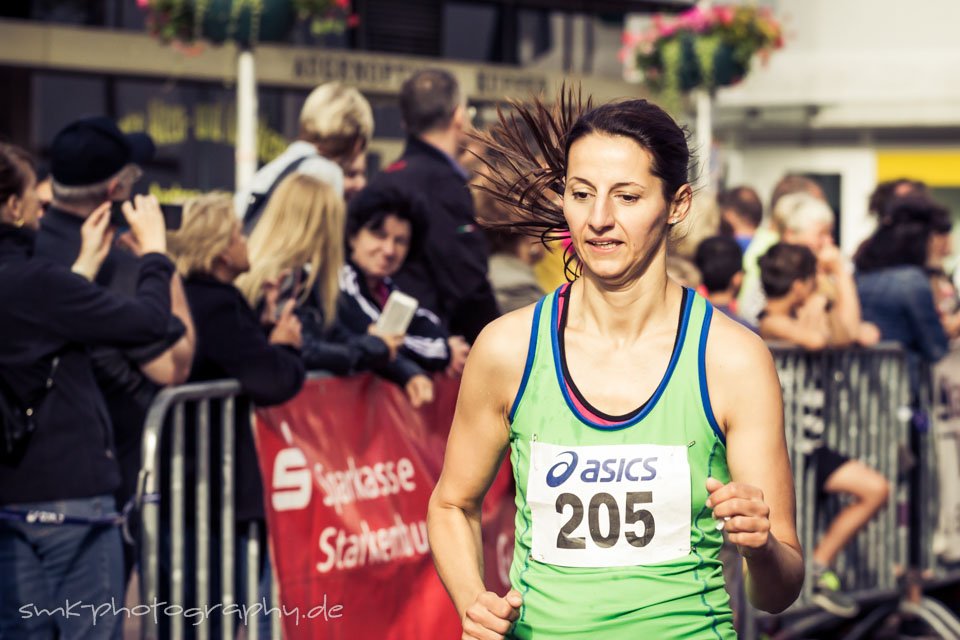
[625, 315]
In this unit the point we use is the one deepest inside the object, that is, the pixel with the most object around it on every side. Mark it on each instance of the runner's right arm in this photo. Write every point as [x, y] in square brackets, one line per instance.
[476, 446]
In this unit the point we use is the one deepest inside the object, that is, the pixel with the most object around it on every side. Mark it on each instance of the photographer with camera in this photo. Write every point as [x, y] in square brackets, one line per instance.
[93, 162]
[59, 540]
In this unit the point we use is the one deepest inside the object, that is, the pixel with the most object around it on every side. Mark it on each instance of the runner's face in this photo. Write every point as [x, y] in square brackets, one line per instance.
[615, 207]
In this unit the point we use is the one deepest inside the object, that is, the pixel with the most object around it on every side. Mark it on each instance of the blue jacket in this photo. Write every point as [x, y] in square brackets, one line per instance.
[899, 300]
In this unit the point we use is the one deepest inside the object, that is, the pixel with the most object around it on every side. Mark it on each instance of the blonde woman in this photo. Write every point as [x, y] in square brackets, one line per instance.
[336, 125]
[296, 253]
[210, 252]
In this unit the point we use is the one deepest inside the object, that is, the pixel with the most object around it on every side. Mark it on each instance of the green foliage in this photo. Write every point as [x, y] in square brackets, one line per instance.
[246, 22]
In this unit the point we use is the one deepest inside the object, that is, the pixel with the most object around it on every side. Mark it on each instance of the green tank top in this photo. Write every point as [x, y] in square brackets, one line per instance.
[613, 539]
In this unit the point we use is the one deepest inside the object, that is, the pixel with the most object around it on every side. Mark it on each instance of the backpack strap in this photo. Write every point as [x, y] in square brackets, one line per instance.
[259, 200]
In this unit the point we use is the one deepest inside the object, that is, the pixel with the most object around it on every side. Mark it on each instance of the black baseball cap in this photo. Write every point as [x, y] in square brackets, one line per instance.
[92, 150]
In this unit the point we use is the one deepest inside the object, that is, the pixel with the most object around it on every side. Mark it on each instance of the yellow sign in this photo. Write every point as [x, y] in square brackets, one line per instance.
[174, 194]
[936, 167]
[171, 124]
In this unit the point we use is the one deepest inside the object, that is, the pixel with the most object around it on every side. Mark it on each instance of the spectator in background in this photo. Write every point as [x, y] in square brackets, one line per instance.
[795, 183]
[336, 124]
[890, 190]
[794, 314]
[512, 255]
[702, 222]
[383, 229]
[800, 218]
[296, 253]
[894, 289]
[450, 276]
[806, 220]
[720, 262]
[355, 176]
[751, 293]
[512, 259]
[741, 213]
[67, 468]
[210, 252]
[93, 162]
[683, 272]
[939, 250]
[44, 188]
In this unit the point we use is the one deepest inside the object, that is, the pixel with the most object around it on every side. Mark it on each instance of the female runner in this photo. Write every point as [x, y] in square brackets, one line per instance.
[640, 423]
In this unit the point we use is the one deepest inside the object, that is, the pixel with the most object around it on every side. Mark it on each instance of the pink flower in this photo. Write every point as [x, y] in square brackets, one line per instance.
[343, 4]
[724, 14]
[691, 15]
[695, 19]
[353, 20]
[143, 4]
[665, 29]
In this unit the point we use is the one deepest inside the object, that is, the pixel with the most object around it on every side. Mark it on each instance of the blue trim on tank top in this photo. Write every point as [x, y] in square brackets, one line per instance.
[674, 358]
[531, 352]
[702, 368]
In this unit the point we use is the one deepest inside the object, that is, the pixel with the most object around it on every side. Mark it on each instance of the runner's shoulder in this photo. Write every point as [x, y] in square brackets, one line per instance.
[734, 348]
[502, 345]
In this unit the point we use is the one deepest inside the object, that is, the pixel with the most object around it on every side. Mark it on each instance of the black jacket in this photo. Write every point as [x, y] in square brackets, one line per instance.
[449, 276]
[232, 344]
[45, 311]
[126, 390]
[331, 349]
[425, 348]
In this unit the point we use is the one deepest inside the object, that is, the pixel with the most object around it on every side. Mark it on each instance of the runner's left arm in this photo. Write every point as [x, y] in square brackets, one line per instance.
[758, 505]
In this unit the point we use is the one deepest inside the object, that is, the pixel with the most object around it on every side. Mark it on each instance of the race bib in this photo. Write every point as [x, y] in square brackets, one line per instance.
[609, 505]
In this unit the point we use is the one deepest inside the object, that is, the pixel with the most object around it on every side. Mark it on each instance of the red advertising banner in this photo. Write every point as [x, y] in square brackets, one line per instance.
[348, 468]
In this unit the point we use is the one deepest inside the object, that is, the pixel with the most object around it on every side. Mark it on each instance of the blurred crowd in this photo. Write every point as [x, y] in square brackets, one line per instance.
[107, 297]
[782, 275]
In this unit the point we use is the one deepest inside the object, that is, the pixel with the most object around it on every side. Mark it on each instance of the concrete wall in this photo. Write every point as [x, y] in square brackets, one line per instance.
[862, 63]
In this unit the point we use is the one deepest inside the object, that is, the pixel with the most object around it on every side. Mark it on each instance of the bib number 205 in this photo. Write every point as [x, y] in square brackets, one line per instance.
[634, 514]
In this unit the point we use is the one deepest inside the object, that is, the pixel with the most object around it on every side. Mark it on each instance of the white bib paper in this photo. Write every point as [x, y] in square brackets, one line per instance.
[609, 505]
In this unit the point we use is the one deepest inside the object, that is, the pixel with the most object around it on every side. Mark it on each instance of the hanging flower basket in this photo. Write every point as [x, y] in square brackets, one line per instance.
[245, 22]
[702, 48]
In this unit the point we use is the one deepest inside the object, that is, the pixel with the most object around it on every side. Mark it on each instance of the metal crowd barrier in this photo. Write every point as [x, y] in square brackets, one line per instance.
[170, 411]
[858, 402]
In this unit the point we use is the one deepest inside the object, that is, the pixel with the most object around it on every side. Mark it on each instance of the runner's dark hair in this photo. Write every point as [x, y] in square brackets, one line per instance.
[527, 150]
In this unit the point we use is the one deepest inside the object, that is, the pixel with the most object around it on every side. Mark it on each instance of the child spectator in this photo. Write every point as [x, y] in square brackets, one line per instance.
[798, 315]
[795, 313]
[720, 262]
